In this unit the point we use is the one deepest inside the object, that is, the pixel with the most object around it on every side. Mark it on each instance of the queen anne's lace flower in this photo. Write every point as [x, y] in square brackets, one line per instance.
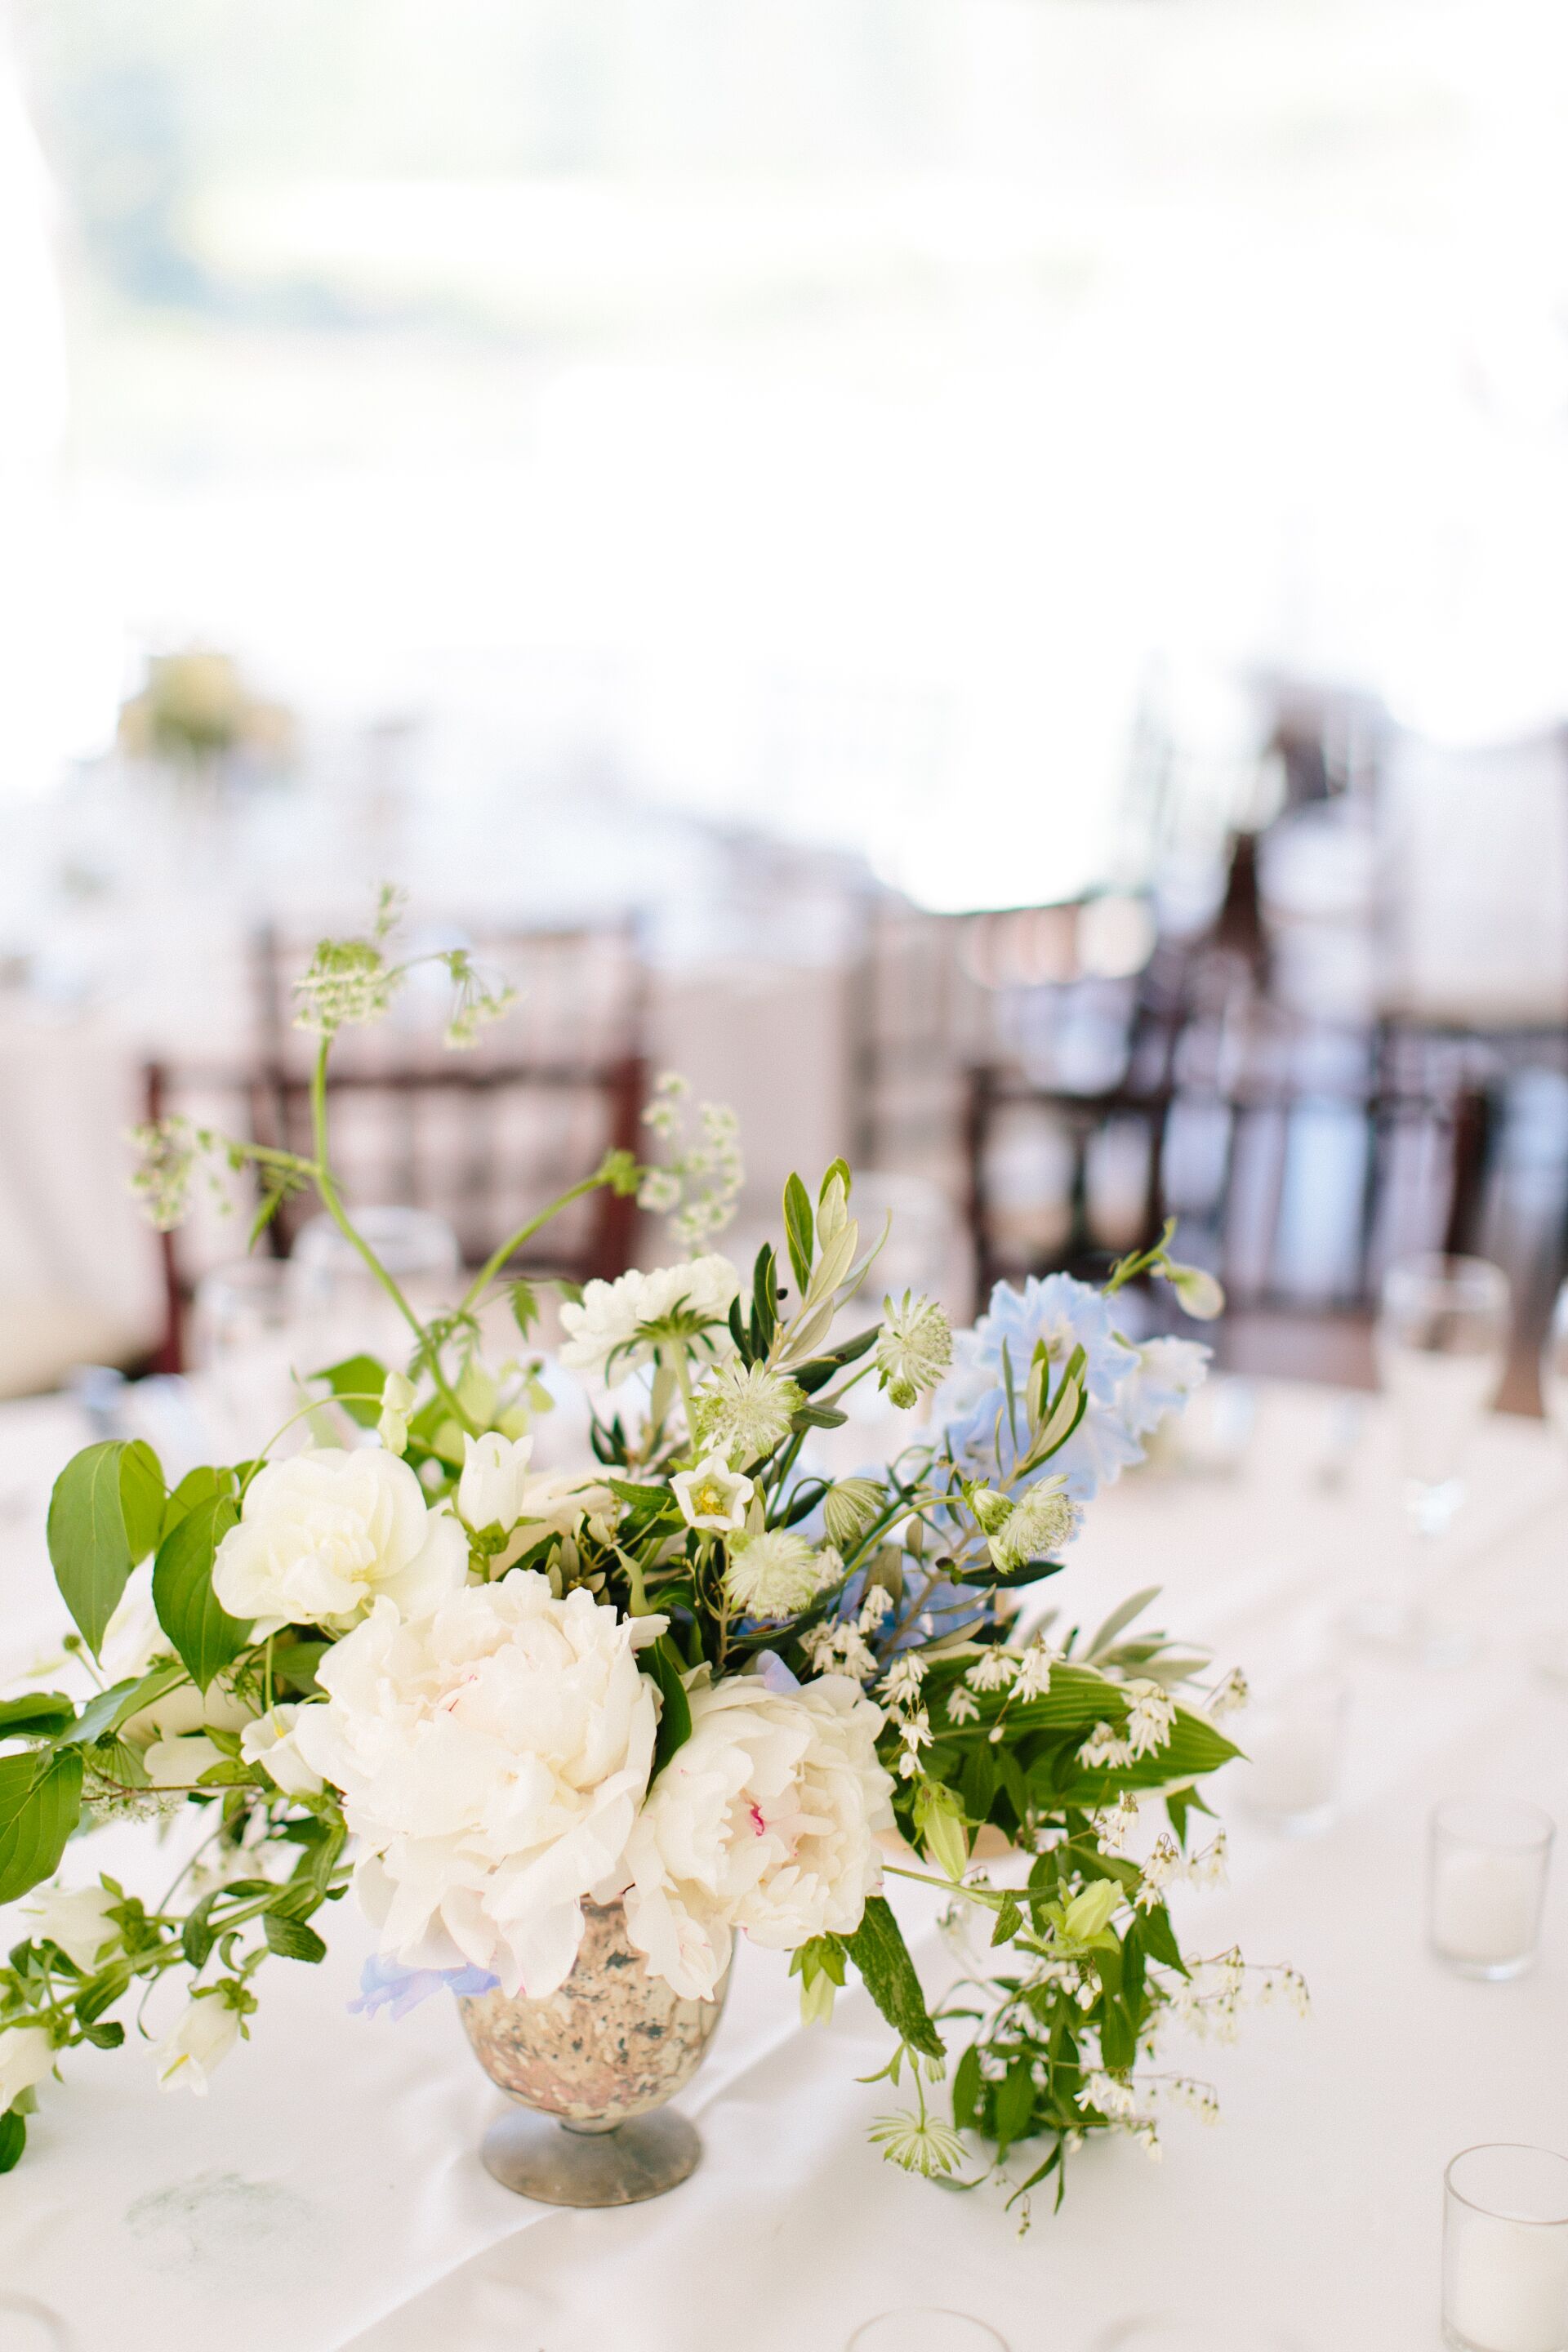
[491, 1758]
[763, 1820]
[323, 1535]
[777, 1573]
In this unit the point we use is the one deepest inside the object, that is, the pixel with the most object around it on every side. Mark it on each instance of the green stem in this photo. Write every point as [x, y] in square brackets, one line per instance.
[327, 1187]
[498, 1257]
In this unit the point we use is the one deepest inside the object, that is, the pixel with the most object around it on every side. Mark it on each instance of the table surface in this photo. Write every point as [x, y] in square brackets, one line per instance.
[328, 2192]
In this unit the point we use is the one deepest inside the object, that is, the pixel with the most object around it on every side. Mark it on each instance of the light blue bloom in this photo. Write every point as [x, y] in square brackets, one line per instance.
[972, 1402]
[387, 1984]
[1167, 1373]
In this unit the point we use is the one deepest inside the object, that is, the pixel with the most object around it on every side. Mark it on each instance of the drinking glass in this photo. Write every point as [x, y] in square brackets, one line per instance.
[1295, 1741]
[1553, 1651]
[1505, 2250]
[347, 1310]
[921, 2329]
[1170, 2332]
[1442, 1349]
[246, 1337]
[1487, 1883]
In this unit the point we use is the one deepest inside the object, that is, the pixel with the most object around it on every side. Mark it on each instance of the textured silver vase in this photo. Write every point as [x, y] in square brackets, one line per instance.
[589, 2069]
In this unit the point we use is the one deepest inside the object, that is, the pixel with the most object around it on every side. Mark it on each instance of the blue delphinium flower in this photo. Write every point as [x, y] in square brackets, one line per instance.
[387, 1984]
[1129, 1389]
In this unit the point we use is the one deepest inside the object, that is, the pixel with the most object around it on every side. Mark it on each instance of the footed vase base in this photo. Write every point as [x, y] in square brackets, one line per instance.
[536, 2157]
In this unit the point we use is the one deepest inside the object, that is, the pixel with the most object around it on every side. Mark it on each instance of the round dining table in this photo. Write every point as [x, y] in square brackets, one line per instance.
[328, 2193]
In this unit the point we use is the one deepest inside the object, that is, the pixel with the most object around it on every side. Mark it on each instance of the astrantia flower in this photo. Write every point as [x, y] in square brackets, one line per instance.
[619, 1325]
[973, 1400]
[914, 1348]
[491, 1757]
[200, 2041]
[777, 1573]
[712, 1496]
[323, 1535]
[744, 1411]
[764, 1820]
[1040, 1522]
[920, 2143]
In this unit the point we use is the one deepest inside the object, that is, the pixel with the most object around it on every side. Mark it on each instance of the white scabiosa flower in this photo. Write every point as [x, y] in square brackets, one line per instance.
[491, 1758]
[712, 1496]
[744, 1411]
[26, 2053]
[777, 1573]
[200, 2041]
[77, 1921]
[914, 1348]
[763, 1820]
[619, 1325]
[324, 1535]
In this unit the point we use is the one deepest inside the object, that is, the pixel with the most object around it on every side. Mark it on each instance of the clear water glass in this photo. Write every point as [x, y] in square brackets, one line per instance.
[346, 1308]
[1170, 2332]
[1488, 1866]
[1505, 2250]
[1295, 1744]
[247, 1337]
[1442, 1351]
[925, 2329]
[1552, 1651]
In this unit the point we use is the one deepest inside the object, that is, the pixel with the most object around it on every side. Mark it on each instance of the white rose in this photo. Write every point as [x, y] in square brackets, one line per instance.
[618, 1324]
[322, 1536]
[200, 2041]
[492, 1757]
[26, 2053]
[764, 1820]
[76, 1919]
[270, 1742]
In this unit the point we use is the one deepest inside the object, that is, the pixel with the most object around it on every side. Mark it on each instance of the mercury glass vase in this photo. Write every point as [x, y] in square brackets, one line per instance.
[589, 2069]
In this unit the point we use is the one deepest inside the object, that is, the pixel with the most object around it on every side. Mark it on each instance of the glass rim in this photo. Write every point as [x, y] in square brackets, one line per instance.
[1541, 1836]
[927, 2311]
[1509, 2147]
[1477, 1273]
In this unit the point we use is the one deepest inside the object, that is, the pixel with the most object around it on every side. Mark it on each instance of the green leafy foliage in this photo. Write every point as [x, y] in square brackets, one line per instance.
[105, 1514]
[878, 1950]
[207, 1637]
[356, 1383]
[40, 1799]
[662, 1665]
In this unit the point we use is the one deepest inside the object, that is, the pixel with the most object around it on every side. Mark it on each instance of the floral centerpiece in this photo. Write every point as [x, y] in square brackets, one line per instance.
[693, 1676]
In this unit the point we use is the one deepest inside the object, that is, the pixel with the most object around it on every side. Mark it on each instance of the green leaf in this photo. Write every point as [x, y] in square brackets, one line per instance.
[1119, 1619]
[104, 1714]
[839, 1168]
[1014, 2106]
[39, 1713]
[13, 2139]
[353, 1382]
[765, 1297]
[662, 1665]
[800, 1232]
[196, 1937]
[290, 1939]
[1009, 1919]
[967, 2091]
[190, 1613]
[104, 1516]
[40, 1800]
[196, 1487]
[879, 1951]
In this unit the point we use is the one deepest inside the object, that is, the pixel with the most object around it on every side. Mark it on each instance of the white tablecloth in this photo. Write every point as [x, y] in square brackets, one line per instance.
[328, 2193]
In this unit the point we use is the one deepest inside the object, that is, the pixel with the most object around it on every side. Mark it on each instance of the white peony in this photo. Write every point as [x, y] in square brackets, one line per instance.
[200, 2041]
[26, 2053]
[270, 1742]
[619, 1324]
[764, 1820]
[77, 1919]
[324, 1535]
[492, 1757]
[497, 1489]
